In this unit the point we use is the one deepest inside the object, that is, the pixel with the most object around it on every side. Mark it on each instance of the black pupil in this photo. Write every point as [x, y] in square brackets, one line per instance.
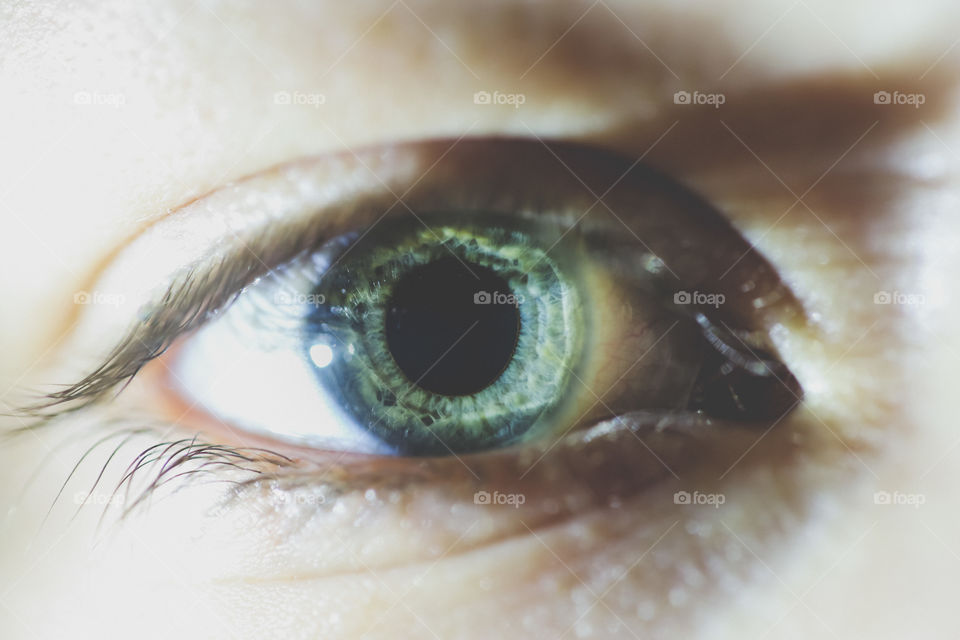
[452, 327]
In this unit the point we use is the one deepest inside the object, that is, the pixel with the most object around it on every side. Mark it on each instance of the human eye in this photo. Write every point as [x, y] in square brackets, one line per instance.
[446, 298]
[478, 316]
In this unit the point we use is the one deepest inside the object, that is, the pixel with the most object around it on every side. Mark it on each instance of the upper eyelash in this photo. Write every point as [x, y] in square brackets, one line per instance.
[148, 340]
[187, 304]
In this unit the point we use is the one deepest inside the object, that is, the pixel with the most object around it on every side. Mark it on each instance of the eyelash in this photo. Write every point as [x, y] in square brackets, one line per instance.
[138, 349]
[185, 460]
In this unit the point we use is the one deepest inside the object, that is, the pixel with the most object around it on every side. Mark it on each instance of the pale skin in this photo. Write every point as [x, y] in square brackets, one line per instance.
[845, 197]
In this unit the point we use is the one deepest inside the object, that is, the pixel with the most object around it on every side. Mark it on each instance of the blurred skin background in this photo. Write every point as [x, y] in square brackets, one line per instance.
[839, 523]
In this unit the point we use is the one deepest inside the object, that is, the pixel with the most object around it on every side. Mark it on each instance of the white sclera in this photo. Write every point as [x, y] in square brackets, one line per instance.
[267, 391]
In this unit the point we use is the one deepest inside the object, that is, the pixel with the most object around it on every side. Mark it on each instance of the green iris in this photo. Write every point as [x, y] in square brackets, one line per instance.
[452, 337]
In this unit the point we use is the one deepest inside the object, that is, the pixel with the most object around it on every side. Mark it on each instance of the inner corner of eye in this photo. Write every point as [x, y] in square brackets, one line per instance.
[443, 335]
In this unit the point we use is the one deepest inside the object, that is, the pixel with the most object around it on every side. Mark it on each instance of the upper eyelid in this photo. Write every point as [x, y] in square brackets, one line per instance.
[234, 255]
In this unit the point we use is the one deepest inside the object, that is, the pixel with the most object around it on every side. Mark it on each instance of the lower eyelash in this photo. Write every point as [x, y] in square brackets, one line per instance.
[187, 460]
[293, 491]
[170, 464]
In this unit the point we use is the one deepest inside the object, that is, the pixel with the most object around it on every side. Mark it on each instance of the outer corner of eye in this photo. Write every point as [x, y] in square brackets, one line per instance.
[487, 312]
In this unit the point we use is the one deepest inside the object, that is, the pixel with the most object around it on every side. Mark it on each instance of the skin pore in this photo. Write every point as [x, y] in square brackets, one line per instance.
[116, 114]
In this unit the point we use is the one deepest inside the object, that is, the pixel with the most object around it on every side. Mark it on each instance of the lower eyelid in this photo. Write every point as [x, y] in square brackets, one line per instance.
[407, 511]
